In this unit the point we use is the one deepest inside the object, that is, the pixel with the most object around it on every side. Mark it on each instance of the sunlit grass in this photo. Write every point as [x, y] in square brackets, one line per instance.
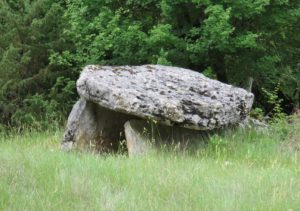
[244, 170]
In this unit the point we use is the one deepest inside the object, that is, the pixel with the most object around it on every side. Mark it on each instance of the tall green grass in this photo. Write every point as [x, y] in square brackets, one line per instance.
[242, 170]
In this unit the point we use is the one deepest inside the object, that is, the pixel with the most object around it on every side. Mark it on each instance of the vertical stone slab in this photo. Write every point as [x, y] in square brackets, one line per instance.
[81, 132]
[138, 142]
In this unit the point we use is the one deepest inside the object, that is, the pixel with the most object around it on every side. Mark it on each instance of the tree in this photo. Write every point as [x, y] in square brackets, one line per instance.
[29, 31]
[45, 43]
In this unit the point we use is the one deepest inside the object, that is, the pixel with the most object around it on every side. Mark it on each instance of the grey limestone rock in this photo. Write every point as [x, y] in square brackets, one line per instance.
[81, 126]
[180, 101]
[94, 128]
[169, 95]
[136, 140]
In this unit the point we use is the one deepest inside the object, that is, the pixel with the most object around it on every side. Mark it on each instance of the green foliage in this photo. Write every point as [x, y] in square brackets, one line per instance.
[45, 43]
[257, 113]
[218, 145]
[40, 111]
[208, 72]
[275, 102]
[62, 95]
[34, 111]
[29, 31]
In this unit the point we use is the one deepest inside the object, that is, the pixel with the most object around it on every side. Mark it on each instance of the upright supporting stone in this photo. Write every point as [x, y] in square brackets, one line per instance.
[94, 128]
[137, 142]
[81, 129]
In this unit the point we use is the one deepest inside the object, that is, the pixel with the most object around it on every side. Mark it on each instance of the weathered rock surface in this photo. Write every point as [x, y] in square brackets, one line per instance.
[186, 100]
[169, 95]
[137, 141]
[81, 127]
[251, 123]
[94, 128]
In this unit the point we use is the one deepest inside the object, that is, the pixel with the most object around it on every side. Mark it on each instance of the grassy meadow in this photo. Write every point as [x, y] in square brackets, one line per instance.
[241, 170]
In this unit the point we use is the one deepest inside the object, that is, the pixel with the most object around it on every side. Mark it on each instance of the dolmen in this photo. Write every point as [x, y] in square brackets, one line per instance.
[137, 105]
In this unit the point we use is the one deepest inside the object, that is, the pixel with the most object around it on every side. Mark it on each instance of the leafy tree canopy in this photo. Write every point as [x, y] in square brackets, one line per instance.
[45, 43]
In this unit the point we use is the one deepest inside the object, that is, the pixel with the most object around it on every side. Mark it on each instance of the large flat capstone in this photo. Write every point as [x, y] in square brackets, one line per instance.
[168, 95]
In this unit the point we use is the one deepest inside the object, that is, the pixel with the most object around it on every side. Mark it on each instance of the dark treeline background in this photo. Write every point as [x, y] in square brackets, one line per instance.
[45, 43]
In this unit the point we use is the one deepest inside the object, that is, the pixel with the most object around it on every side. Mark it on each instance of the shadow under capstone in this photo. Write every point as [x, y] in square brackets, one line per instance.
[143, 136]
[97, 129]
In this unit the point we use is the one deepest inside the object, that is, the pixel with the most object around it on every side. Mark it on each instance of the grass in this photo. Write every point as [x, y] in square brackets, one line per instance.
[244, 170]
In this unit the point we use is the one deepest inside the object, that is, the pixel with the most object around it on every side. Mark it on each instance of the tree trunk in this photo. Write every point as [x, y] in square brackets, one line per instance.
[249, 84]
